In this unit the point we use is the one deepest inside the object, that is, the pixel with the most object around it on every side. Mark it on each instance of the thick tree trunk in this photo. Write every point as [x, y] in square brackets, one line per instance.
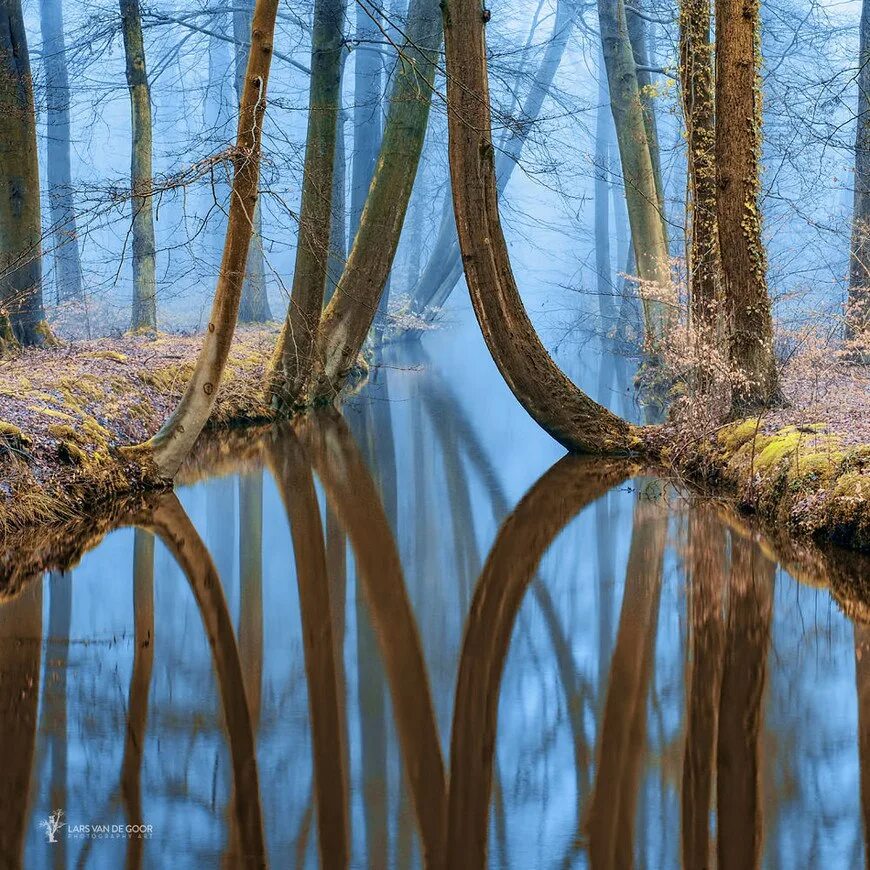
[741, 716]
[738, 163]
[254, 307]
[22, 318]
[292, 364]
[858, 311]
[555, 403]
[172, 443]
[350, 313]
[67, 264]
[702, 256]
[444, 267]
[141, 171]
[642, 192]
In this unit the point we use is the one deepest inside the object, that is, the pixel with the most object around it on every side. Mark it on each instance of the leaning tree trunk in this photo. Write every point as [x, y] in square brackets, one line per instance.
[738, 158]
[444, 267]
[255, 301]
[141, 171]
[22, 318]
[555, 403]
[858, 309]
[349, 315]
[638, 168]
[702, 256]
[172, 443]
[295, 349]
[67, 263]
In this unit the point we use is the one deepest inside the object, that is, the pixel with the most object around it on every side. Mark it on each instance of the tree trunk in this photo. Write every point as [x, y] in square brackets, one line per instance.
[555, 403]
[858, 310]
[642, 192]
[604, 281]
[254, 307]
[22, 318]
[295, 349]
[141, 171]
[738, 158]
[702, 256]
[741, 717]
[251, 585]
[349, 315]
[67, 264]
[172, 443]
[444, 267]
[338, 222]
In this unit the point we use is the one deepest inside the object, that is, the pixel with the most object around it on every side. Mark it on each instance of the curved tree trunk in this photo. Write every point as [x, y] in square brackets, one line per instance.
[444, 267]
[642, 191]
[349, 315]
[738, 163]
[254, 307]
[22, 318]
[555, 403]
[172, 443]
[295, 348]
[858, 310]
[141, 171]
[67, 263]
[702, 256]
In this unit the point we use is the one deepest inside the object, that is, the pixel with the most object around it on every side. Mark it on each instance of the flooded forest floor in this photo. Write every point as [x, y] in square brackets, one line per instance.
[803, 469]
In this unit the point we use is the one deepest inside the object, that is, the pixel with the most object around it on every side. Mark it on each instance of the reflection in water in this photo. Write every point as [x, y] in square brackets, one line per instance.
[432, 669]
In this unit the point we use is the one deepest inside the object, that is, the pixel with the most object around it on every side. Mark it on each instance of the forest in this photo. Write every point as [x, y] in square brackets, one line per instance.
[327, 291]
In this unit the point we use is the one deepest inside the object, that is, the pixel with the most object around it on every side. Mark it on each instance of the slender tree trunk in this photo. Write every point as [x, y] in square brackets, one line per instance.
[22, 318]
[295, 349]
[741, 717]
[604, 280]
[141, 171]
[140, 683]
[702, 256]
[555, 403]
[858, 311]
[254, 307]
[706, 585]
[338, 222]
[642, 192]
[67, 264]
[348, 317]
[172, 443]
[738, 165]
[444, 267]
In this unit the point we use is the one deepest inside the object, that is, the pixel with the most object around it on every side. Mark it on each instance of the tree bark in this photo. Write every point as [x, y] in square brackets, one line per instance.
[555, 403]
[141, 171]
[349, 315]
[67, 263]
[738, 159]
[292, 364]
[172, 443]
[858, 310]
[702, 256]
[642, 192]
[254, 307]
[22, 317]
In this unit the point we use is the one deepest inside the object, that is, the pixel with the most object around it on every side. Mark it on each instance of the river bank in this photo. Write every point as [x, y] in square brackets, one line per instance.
[803, 470]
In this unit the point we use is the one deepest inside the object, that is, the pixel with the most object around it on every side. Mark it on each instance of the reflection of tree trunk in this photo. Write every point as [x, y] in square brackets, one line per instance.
[555, 403]
[173, 526]
[512, 563]
[747, 638]
[354, 498]
[54, 694]
[251, 583]
[140, 682]
[623, 726]
[295, 482]
[20, 648]
[706, 583]
[862, 682]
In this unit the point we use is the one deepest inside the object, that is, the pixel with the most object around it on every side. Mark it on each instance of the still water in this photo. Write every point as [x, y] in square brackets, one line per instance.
[416, 634]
